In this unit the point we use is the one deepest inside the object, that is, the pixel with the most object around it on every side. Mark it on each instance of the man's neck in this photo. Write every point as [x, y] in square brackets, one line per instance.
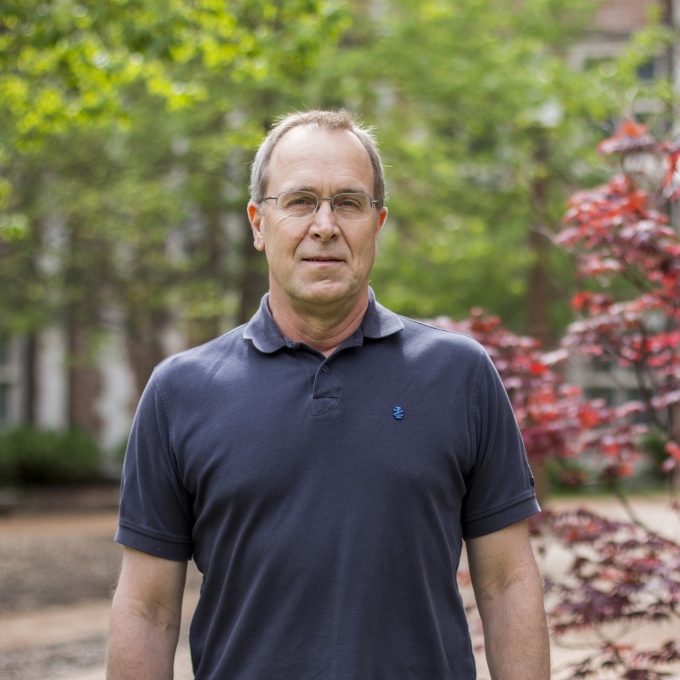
[323, 329]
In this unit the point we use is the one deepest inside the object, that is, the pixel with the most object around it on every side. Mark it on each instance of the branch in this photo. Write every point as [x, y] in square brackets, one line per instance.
[614, 486]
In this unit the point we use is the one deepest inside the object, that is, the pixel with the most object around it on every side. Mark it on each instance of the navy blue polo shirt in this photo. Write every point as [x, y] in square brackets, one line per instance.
[325, 500]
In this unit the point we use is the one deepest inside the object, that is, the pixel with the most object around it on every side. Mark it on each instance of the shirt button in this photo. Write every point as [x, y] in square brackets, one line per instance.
[325, 369]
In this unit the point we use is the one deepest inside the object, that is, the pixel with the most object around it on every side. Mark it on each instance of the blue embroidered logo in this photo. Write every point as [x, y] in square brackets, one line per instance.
[398, 412]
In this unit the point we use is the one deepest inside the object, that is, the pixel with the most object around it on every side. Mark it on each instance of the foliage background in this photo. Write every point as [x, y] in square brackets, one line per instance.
[127, 128]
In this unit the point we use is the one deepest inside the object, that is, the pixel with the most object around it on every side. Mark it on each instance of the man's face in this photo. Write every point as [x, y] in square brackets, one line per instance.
[317, 260]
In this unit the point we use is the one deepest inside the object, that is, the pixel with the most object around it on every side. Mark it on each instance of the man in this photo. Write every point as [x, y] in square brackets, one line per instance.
[323, 464]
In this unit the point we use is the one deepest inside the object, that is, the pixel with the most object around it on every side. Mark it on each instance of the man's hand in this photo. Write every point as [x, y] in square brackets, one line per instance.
[509, 596]
[145, 618]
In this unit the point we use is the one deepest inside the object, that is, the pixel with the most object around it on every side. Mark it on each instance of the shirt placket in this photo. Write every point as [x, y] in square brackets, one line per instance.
[325, 377]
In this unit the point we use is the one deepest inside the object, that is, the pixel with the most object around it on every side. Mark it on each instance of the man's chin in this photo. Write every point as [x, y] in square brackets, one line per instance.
[325, 293]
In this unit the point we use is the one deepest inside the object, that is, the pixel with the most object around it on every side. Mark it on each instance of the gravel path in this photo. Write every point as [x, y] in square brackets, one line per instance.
[46, 561]
[55, 660]
[57, 574]
[39, 571]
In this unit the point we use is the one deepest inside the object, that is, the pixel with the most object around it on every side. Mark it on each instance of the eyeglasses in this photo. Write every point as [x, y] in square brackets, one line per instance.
[303, 204]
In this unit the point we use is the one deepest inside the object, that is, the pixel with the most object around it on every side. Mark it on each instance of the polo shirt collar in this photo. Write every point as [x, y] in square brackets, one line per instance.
[378, 322]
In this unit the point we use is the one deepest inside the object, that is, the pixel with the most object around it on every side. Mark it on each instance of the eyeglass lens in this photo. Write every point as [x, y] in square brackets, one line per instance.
[299, 204]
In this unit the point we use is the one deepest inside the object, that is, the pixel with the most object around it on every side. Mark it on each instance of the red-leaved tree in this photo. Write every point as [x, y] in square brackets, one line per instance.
[619, 230]
[621, 573]
[555, 420]
[625, 573]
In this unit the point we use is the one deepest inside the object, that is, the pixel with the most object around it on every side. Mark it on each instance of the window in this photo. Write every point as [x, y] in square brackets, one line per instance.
[5, 384]
[601, 363]
[636, 394]
[646, 71]
[605, 393]
[4, 351]
[4, 403]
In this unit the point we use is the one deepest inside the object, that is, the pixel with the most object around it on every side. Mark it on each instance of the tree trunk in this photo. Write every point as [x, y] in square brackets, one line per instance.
[144, 343]
[539, 280]
[84, 381]
[32, 379]
[85, 254]
[205, 328]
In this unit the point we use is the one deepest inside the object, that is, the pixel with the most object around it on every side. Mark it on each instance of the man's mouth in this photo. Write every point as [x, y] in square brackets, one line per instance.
[322, 258]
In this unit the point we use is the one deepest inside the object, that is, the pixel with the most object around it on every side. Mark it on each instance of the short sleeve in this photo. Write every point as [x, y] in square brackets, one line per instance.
[155, 509]
[500, 486]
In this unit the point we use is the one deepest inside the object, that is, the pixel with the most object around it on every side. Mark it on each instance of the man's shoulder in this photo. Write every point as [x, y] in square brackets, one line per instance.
[204, 360]
[445, 343]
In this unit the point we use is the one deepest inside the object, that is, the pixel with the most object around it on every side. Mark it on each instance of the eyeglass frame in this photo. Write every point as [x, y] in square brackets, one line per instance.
[321, 198]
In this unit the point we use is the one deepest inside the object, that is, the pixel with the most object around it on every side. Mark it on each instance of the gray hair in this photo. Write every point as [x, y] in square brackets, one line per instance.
[325, 120]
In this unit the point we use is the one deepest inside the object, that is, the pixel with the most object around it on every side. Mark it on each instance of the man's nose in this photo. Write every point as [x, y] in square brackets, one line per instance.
[324, 225]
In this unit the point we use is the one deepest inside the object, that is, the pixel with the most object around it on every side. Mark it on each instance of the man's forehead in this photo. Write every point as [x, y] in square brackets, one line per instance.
[307, 146]
[302, 135]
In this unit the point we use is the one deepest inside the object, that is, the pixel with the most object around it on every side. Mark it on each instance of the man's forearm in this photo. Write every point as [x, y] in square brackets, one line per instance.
[140, 646]
[516, 631]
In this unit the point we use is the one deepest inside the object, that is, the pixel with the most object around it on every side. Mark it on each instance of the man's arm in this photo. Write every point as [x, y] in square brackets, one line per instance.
[145, 618]
[509, 597]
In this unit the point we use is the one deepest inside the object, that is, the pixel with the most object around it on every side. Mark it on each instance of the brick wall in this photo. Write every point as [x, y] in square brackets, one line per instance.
[624, 16]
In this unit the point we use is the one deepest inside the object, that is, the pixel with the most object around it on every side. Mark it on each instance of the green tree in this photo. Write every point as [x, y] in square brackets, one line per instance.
[486, 130]
[128, 205]
[127, 128]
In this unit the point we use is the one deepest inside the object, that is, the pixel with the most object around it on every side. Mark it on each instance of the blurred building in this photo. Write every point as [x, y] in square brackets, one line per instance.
[614, 23]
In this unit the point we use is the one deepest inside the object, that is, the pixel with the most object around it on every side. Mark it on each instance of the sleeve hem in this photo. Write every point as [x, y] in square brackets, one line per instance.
[499, 508]
[502, 517]
[167, 548]
[153, 534]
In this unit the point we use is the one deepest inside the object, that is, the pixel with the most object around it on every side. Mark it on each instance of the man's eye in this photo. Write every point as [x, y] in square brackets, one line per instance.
[297, 201]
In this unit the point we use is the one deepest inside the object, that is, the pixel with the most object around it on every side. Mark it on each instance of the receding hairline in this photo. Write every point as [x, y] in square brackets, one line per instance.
[332, 121]
[315, 127]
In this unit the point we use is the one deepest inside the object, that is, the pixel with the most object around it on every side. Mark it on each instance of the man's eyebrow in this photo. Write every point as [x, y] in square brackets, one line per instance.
[352, 190]
[344, 190]
[305, 187]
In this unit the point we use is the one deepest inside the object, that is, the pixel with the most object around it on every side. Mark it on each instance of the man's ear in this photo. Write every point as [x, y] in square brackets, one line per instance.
[382, 216]
[255, 217]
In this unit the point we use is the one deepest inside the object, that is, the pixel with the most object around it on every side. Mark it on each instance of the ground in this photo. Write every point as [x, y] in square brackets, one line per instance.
[58, 571]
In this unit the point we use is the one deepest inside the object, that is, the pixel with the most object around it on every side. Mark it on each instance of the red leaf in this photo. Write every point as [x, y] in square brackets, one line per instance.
[673, 450]
[538, 368]
[632, 129]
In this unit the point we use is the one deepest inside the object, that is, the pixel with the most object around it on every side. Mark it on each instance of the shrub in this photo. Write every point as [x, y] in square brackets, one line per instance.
[32, 456]
[565, 476]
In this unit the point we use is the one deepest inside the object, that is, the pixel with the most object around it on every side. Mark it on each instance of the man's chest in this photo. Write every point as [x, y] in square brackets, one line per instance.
[304, 449]
[342, 424]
